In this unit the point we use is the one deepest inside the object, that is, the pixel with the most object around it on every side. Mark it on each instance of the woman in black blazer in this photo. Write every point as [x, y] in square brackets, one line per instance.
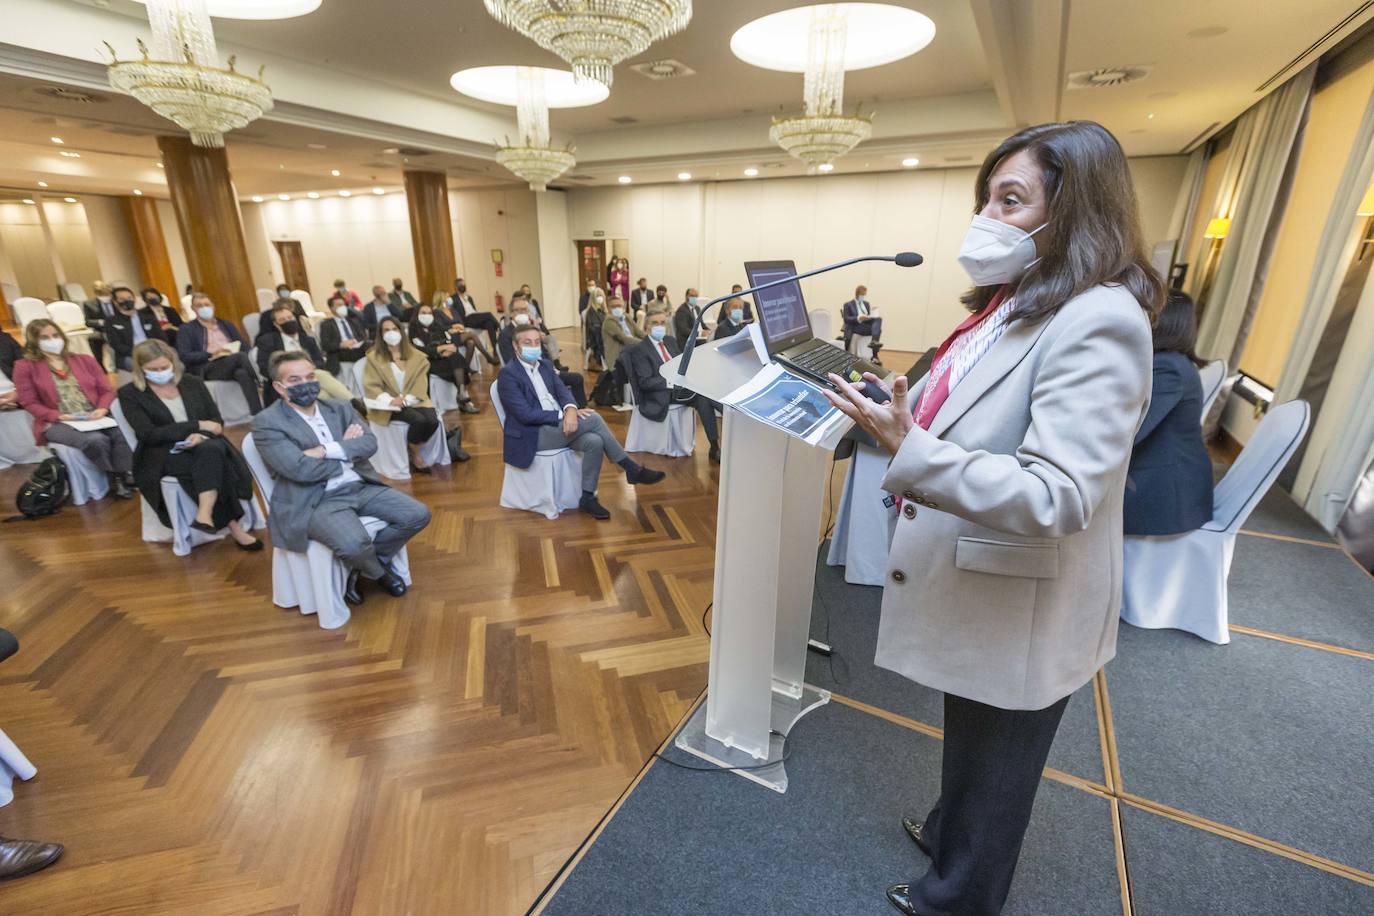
[166, 406]
[448, 352]
[1169, 485]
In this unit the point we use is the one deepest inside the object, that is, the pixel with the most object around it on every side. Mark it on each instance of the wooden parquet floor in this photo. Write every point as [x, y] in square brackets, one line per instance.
[200, 750]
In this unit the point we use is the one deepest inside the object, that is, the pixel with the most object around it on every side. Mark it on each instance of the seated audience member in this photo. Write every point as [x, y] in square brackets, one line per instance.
[22, 857]
[748, 310]
[859, 318]
[684, 318]
[401, 300]
[617, 333]
[281, 331]
[521, 318]
[318, 453]
[1169, 483]
[541, 414]
[379, 308]
[732, 321]
[655, 395]
[586, 296]
[592, 319]
[98, 308]
[181, 434]
[641, 296]
[536, 312]
[132, 323]
[397, 373]
[10, 353]
[343, 338]
[283, 291]
[55, 386]
[448, 359]
[466, 312]
[302, 316]
[214, 349]
[168, 316]
[350, 298]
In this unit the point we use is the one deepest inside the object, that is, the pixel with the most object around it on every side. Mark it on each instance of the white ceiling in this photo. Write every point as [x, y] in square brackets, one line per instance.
[362, 76]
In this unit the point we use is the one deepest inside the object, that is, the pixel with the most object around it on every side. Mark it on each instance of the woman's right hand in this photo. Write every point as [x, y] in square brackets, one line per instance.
[194, 439]
[210, 426]
[398, 403]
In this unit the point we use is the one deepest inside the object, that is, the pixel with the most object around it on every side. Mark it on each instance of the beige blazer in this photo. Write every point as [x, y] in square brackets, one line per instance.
[1004, 576]
[378, 381]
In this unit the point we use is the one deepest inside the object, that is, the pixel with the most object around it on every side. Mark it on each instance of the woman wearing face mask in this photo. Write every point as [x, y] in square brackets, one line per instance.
[443, 347]
[592, 320]
[1004, 578]
[168, 318]
[397, 373]
[181, 434]
[56, 386]
[620, 279]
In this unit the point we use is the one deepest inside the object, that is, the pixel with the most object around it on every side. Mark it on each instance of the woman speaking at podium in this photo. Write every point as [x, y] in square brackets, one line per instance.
[1010, 458]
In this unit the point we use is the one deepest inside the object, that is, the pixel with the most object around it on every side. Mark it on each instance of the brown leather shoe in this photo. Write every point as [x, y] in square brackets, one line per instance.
[24, 857]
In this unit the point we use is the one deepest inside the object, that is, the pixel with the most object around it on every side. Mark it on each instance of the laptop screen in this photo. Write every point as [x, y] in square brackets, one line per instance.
[782, 310]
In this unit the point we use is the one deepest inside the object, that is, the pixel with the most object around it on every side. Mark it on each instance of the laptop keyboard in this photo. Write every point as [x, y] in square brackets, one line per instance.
[825, 359]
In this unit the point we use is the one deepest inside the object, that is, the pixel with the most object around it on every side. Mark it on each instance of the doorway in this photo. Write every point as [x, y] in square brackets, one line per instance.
[591, 263]
[293, 265]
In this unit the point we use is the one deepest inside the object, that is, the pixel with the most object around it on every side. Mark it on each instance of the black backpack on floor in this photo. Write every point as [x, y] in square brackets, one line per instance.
[46, 490]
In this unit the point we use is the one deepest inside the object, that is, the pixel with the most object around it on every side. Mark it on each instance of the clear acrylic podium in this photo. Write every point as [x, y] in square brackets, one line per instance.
[767, 523]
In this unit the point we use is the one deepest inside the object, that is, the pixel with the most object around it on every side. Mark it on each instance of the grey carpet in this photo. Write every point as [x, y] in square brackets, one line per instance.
[853, 611]
[714, 843]
[1174, 868]
[1301, 590]
[1278, 513]
[1273, 739]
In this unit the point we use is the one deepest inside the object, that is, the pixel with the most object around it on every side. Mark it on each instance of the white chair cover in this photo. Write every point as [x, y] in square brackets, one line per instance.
[13, 764]
[233, 407]
[674, 436]
[858, 344]
[304, 299]
[352, 376]
[265, 299]
[863, 524]
[443, 393]
[75, 292]
[26, 309]
[16, 435]
[88, 482]
[393, 458]
[313, 581]
[1179, 582]
[1213, 377]
[549, 485]
[11, 291]
[821, 323]
[69, 316]
[252, 323]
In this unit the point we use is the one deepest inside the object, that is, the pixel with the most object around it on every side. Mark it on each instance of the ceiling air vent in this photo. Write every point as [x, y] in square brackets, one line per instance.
[663, 69]
[414, 151]
[67, 94]
[1107, 77]
[624, 119]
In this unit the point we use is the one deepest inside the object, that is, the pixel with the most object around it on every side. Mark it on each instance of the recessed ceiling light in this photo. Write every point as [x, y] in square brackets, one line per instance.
[826, 167]
[876, 34]
[137, 192]
[910, 162]
[283, 197]
[28, 200]
[684, 176]
[391, 150]
[499, 85]
[1150, 116]
[42, 184]
[624, 179]
[345, 193]
[257, 198]
[70, 200]
[159, 165]
[313, 195]
[751, 172]
[378, 190]
[334, 172]
[56, 139]
[70, 154]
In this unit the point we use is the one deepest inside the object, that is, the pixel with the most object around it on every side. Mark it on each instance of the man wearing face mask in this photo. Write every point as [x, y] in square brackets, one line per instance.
[318, 454]
[462, 305]
[213, 349]
[283, 334]
[860, 317]
[536, 313]
[520, 319]
[342, 336]
[684, 319]
[732, 321]
[131, 324]
[541, 414]
[641, 296]
[1010, 457]
[98, 309]
[748, 309]
[402, 302]
[379, 308]
[653, 396]
[617, 333]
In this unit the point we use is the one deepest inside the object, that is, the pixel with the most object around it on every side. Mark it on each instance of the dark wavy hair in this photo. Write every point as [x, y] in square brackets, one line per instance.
[1176, 327]
[1092, 232]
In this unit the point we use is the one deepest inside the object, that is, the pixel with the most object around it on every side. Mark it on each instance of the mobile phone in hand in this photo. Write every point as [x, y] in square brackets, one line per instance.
[181, 446]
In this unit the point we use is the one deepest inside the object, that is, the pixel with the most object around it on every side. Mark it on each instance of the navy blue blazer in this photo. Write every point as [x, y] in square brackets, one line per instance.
[524, 413]
[370, 316]
[849, 314]
[191, 343]
[1169, 484]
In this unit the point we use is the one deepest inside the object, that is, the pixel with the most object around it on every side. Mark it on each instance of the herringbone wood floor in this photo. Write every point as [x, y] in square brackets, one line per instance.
[200, 750]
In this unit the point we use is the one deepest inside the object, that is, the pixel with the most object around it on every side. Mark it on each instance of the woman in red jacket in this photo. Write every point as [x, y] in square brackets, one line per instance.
[56, 387]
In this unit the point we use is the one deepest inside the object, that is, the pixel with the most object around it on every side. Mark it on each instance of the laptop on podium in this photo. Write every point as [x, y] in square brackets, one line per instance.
[787, 331]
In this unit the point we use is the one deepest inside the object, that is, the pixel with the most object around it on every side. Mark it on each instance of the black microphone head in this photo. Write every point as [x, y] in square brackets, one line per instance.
[908, 259]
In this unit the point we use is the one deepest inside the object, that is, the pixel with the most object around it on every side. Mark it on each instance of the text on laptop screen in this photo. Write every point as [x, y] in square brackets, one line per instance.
[782, 308]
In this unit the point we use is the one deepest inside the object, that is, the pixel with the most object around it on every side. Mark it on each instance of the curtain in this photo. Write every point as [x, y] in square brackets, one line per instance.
[1189, 192]
[1266, 139]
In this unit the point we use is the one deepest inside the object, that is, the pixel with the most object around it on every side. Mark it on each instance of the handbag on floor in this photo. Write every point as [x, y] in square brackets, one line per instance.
[47, 488]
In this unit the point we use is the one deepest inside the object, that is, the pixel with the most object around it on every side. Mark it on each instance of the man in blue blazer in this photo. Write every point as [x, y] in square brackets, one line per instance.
[380, 307]
[206, 347]
[541, 414]
[859, 318]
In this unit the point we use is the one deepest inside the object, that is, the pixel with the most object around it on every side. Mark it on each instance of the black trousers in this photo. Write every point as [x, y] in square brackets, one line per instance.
[991, 766]
[575, 384]
[484, 321]
[423, 421]
[705, 408]
[207, 467]
[236, 368]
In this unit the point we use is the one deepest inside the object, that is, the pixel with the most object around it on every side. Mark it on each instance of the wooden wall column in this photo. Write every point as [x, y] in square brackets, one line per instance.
[211, 228]
[431, 232]
[154, 265]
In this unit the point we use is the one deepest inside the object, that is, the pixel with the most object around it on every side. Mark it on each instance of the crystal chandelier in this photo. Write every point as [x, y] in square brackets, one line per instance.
[593, 35]
[181, 79]
[824, 131]
[533, 159]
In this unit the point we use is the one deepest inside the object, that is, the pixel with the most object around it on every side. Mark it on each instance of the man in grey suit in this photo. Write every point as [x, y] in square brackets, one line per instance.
[318, 452]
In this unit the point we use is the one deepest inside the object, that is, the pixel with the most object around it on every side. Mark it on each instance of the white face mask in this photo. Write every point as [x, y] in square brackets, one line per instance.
[206, 312]
[51, 345]
[425, 320]
[341, 311]
[521, 319]
[995, 252]
[392, 338]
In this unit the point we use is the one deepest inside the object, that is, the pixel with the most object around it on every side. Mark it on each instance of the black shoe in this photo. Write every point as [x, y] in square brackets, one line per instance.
[391, 583]
[201, 526]
[469, 407]
[24, 857]
[899, 895]
[592, 506]
[252, 546]
[640, 474]
[916, 831]
[714, 454]
[351, 593]
[121, 489]
[417, 469]
[460, 455]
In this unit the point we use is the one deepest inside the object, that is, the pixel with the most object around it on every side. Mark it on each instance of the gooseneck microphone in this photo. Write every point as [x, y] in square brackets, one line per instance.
[901, 259]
